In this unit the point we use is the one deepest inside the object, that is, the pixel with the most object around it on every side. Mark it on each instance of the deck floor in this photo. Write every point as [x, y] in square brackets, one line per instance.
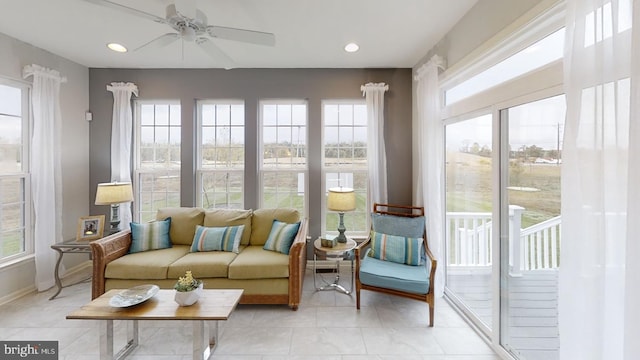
[532, 308]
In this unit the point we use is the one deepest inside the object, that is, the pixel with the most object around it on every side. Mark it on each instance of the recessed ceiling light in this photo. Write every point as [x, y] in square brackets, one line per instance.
[351, 47]
[117, 47]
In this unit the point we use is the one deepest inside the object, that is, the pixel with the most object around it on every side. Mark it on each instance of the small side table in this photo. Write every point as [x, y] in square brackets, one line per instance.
[341, 251]
[68, 247]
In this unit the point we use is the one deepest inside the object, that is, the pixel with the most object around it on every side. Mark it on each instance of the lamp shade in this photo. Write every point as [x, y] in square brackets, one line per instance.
[114, 193]
[341, 199]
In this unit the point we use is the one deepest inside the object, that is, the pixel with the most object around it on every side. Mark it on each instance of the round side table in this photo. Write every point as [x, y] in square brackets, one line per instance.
[337, 253]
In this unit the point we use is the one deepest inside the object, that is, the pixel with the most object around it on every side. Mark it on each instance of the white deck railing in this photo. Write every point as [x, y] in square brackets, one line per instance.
[469, 237]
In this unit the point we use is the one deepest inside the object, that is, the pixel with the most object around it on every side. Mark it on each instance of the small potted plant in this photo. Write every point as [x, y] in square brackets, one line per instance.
[188, 289]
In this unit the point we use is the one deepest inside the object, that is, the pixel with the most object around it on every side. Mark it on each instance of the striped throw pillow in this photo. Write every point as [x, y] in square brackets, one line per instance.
[153, 235]
[281, 236]
[398, 249]
[217, 238]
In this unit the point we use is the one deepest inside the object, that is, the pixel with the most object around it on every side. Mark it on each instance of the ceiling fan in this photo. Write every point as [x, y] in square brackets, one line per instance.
[190, 24]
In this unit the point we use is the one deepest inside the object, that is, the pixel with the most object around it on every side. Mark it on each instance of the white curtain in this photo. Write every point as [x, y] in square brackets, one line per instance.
[599, 286]
[46, 184]
[428, 160]
[121, 130]
[376, 156]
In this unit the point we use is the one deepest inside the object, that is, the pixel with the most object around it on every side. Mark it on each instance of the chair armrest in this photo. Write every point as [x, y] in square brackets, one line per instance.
[434, 265]
[357, 252]
[104, 251]
[297, 264]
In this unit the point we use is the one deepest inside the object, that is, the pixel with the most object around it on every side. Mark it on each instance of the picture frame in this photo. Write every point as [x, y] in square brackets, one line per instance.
[90, 228]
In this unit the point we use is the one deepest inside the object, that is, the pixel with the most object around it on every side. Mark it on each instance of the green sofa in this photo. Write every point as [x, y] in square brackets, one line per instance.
[267, 277]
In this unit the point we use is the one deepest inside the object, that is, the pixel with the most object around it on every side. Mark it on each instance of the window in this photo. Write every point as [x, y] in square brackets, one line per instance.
[283, 165]
[157, 154]
[533, 57]
[15, 236]
[345, 161]
[220, 174]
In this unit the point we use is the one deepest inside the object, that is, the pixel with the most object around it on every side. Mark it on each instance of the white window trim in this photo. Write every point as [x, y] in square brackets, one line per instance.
[543, 19]
[136, 150]
[199, 170]
[302, 169]
[325, 170]
[27, 121]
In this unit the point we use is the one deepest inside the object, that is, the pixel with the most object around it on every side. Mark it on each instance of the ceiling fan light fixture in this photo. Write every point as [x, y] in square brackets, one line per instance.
[117, 47]
[351, 47]
[188, 33]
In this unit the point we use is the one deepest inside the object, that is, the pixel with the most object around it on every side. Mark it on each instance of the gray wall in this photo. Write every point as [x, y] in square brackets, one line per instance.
[252, 85]
[74, 101]
[485, 19]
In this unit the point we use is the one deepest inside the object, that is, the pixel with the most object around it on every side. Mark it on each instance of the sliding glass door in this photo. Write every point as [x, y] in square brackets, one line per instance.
[530, 222]
[469, 204]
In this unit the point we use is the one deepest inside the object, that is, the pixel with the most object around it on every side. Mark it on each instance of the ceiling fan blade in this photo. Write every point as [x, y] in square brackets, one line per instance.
[215, 52]
[186, 8]
[129, 10]
[160, 41]
[248, 36]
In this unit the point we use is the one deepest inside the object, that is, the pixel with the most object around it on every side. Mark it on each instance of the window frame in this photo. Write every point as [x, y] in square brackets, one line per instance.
[340, 170]
[137, 172]
[24, 175]
[199, 173]
[293, 170]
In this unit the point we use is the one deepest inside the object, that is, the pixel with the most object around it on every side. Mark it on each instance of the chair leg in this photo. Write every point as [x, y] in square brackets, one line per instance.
[431, 315]
[357, 297]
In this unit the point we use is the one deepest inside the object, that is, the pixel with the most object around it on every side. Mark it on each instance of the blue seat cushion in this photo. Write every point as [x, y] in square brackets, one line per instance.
[390, 275]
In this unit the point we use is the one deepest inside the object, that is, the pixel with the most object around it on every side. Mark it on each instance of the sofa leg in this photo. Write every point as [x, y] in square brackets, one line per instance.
[294, 307]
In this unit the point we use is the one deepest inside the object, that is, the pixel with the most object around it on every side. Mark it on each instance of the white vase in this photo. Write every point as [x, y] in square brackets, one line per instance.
[188, 298]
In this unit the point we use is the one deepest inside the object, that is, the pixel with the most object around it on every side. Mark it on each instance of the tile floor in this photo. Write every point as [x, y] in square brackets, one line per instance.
[326, 326]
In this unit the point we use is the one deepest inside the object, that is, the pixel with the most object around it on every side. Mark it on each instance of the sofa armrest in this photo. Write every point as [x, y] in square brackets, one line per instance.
[297, 264]
[104, 251]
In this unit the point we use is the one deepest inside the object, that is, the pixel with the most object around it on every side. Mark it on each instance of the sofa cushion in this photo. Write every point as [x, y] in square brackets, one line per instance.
[228, 217]
[254, 262]
[153, 235]
[390, 275]
[183, 223]
[225, 238]
[399, 249]
[281, 236]
[145, 265]
[263, 219]
[211, 264]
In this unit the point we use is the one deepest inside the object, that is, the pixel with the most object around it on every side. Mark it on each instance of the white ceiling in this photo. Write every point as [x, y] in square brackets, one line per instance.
[309, 33]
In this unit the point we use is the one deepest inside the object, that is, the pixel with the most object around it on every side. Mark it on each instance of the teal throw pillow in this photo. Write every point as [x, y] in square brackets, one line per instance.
[225, 238]
[153, 235]
[398, 249]
[281, 236]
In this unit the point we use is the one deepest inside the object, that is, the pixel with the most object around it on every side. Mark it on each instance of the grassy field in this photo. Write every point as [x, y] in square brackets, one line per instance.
[470, 187]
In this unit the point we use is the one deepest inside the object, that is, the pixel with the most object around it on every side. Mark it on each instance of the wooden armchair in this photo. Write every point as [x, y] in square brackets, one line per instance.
[410, 274]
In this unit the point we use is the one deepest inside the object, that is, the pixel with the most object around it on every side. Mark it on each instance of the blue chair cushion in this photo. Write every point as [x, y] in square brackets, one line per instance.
[391, 275]
[410, 227]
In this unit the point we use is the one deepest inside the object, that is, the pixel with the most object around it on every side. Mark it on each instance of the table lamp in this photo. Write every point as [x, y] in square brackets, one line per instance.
[341, 199]
[114, 194]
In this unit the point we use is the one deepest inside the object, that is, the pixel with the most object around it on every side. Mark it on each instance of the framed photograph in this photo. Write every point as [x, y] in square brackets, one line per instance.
[90, 227]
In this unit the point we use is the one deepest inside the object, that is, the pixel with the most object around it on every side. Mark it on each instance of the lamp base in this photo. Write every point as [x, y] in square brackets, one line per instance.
[341, 229]
[115, 219]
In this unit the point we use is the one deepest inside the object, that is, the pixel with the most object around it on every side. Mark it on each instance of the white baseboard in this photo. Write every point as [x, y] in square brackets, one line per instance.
[71, 272]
